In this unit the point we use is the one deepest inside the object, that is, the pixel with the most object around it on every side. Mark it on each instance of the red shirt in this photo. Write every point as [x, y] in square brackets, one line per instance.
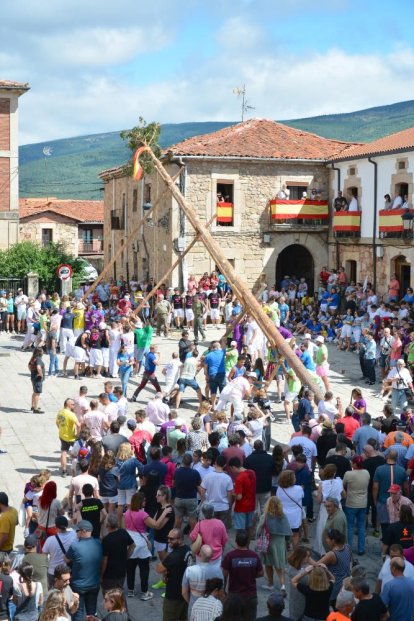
[245, 484]
[228, 453]
[350, 424]
[138, 438]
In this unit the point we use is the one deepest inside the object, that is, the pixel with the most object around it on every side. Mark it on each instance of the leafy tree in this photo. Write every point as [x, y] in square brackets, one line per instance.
[138, 136]
[25, 257]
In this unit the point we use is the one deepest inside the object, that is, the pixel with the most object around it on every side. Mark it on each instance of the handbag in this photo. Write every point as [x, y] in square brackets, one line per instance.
[263, 540]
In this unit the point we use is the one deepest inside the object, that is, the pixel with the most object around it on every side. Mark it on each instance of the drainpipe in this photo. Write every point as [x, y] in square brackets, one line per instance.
[374, 228]
[338, 189]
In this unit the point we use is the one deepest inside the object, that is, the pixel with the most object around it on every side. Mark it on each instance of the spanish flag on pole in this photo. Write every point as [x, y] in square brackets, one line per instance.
[138, 171]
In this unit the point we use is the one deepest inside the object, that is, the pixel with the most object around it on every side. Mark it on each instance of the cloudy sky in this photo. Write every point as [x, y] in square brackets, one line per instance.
[95, 66]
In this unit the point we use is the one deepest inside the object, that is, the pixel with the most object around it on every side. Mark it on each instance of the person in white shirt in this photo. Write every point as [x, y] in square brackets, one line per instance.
[309, 447]
[81, 403]
[328, 407]
[171, 371]
[122, 402]
[143, 423]
[399, 378]
[96, 421]
[56, 545]
[234, 393]
[109, 408]
[353, 202]
[397, 201]
[312, 347]
[21, 300]
[385, 575]
[157, 411]
[217, 490]
[114, 347]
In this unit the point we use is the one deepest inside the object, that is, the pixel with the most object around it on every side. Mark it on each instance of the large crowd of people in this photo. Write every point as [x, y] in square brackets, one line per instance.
[213, 503]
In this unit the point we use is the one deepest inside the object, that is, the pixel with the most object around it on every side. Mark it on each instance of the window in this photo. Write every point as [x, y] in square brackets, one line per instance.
[47, 237]
[123, 215]
[401, 189]
[401, 165]
[134, 200]
[225, 204]
[116, 219]
[147, 193]
[87, 236]
[296, 191]
[352, 171]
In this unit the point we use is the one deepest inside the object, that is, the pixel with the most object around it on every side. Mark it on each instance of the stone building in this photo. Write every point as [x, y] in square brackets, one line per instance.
[240, 174]
[377, 245]
[77, 224]
[9, 161]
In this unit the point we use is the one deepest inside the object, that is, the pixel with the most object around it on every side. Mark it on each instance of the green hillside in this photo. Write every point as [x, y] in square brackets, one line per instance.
[72, 169]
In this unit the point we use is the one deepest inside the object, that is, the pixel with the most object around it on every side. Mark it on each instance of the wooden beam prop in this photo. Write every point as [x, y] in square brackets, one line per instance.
[132, 234]
[238, 286]
[169, 271]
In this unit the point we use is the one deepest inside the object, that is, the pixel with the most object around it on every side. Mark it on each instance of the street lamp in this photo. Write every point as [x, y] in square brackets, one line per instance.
[147, 206]
[407, 219]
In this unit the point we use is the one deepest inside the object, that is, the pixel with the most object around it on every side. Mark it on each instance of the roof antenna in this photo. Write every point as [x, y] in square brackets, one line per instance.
[241, 92]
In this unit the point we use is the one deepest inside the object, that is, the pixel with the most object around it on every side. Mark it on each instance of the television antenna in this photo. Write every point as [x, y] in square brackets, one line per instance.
[245, 107]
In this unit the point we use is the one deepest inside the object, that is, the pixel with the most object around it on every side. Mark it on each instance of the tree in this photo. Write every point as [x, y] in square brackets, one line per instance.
[25, 257]
[137, 137]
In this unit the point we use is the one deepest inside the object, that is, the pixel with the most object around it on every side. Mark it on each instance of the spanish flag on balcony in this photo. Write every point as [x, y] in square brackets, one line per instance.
[390, 220]
[298, 209]
[347, 221]
[224, 213]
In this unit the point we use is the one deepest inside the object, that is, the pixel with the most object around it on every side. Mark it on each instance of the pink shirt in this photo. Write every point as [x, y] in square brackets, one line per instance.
[157, 412]
[81, 407]
[94, 420]
[213, 533]
[135, 520]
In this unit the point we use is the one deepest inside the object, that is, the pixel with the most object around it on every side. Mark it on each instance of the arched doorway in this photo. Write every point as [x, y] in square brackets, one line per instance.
[296, 260]
[401, 267]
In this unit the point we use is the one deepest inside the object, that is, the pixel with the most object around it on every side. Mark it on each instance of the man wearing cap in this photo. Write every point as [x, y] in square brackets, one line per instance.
[386, 475]
[21, 300]
[85, 557]
[400, 379]
[395, 501]
[163, 309]
[275, 607]
[56, 545]
[37, 561]
[321, 359]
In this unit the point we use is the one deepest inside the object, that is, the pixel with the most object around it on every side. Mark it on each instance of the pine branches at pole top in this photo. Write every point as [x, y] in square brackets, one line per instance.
[250, 303]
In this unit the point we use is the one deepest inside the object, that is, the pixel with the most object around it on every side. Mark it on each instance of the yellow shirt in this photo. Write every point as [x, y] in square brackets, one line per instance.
[66, 421]
[79, 320]
[8, 523]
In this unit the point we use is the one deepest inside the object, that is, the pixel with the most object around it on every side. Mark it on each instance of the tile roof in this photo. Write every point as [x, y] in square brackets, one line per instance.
[9, 85]
[400, 141]
[83, 211]
[260, 138]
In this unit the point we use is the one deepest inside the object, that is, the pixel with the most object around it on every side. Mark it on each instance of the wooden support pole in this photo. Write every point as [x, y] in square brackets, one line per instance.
[169, 271]
[132, 234]
[243, 292]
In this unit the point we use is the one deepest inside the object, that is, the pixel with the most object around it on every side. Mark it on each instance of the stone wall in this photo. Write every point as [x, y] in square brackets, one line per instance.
[64, 230]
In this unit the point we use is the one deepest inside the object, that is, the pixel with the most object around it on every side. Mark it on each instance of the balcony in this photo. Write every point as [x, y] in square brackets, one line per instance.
[292, 214]
[347, 224]
[391, 223]
[90, 246]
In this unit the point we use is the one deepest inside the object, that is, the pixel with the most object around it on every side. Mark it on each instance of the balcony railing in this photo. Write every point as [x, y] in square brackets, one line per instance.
[93, 246]
[294, 213]
[225, 214]
[347, 224]
[390, 222]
